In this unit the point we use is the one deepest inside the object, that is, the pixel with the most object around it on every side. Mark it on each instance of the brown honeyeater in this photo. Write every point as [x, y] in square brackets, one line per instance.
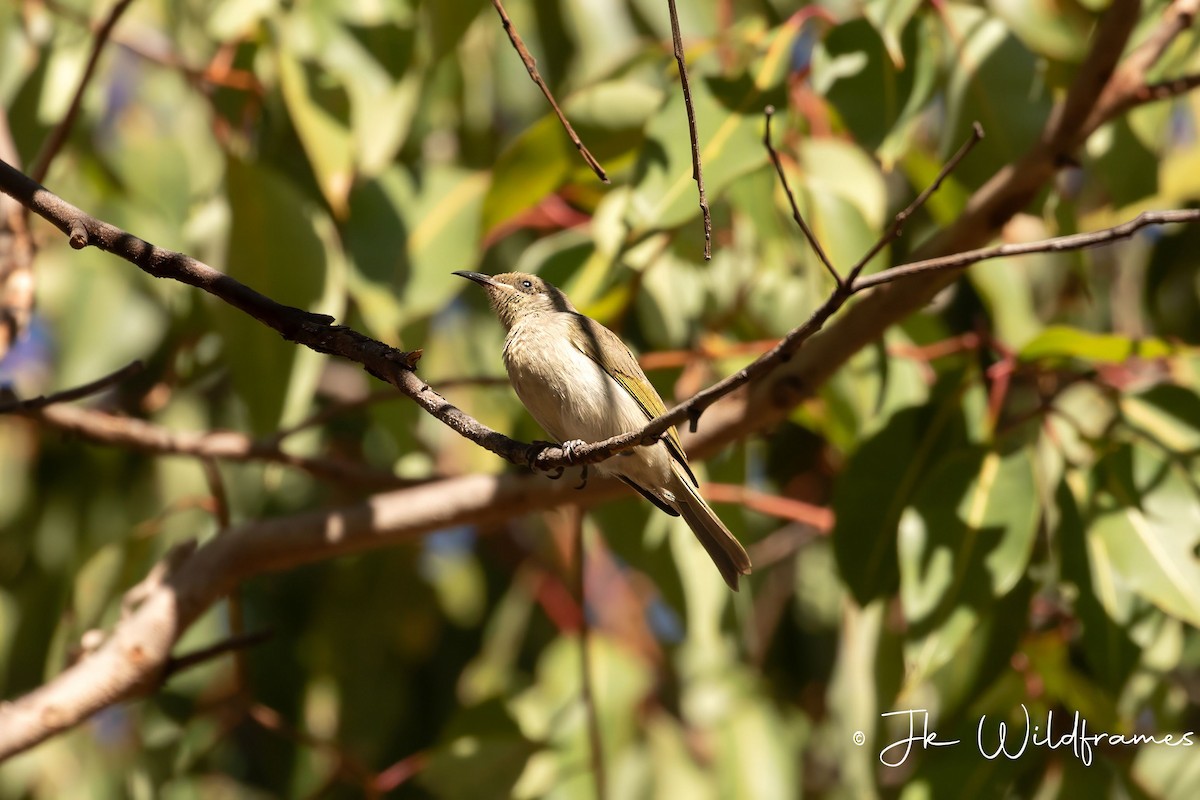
[581, 384]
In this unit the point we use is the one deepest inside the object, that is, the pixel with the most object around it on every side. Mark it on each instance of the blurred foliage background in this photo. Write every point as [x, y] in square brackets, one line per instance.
[1012, 472]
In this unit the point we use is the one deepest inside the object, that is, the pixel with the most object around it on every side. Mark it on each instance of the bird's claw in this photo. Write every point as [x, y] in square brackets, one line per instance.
[569, 448]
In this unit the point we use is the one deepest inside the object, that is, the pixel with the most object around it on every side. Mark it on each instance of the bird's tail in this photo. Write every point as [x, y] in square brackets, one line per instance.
[725, 550]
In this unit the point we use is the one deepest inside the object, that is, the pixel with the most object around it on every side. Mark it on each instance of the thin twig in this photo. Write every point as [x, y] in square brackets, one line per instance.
[769, 112]
[62, 130]
[697, 170]
[67, 395]
[223, 76]
[216, 486]
[147, 437]
[390, 779]
[233, 644]
[1059, 244]
[531, 68]
[900, 219]
[1165, 90]
[586, 689]
[789, 508]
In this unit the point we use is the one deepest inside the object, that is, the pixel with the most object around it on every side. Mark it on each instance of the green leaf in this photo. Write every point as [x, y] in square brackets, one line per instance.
[536, 164]
[482, 755]
[282, 246]
[756, 753]
[443, 219]
[834, 170]
[1125, 165]
[1007, 288]
[408, 234]
[889, 18]
[1169, 772]
[1052, 28]
[993, 80]
[853, 69]
[968, 535]
[1111, 653]
[1061, 342]
[874, 489]
[1149, 538]
[1170, 414]
[327, 142]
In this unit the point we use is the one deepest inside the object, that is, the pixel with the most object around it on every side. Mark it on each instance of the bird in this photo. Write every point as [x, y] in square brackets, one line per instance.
[582, 384]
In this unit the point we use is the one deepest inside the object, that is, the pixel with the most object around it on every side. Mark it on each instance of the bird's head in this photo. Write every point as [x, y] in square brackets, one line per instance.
[516, 295]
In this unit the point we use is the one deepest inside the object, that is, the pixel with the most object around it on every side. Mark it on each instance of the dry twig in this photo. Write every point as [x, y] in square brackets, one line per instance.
[697, 169]
[531, 67]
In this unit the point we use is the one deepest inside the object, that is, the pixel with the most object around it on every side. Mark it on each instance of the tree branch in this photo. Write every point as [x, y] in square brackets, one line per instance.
[135, 434]
[35, 404]
[132, 659]
[813, 241]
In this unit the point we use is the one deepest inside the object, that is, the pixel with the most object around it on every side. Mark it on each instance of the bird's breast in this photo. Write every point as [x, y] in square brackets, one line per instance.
[565, 391]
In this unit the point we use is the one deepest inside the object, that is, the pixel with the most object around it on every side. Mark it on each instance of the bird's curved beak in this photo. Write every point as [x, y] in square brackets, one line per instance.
[483, 280]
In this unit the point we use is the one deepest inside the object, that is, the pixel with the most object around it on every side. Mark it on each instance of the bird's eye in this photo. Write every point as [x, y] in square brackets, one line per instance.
[526, 284]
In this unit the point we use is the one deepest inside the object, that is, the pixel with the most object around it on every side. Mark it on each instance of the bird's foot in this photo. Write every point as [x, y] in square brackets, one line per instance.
[583, 478]
[535, 450]
[569, 448]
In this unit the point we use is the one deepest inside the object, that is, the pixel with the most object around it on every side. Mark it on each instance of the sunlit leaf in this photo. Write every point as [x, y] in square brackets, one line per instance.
[993, 80]
[482, 754]
[1051, 28]
[969, 532]
[275, 246]
[326, 140]
[1151, 536]
[1060, 342]
[890, 19]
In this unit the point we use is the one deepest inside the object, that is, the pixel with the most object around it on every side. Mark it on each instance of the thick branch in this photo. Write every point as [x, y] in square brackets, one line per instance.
[132, 660]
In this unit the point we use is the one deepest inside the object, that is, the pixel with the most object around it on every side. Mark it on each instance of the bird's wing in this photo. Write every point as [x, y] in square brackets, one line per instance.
[606, 348]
